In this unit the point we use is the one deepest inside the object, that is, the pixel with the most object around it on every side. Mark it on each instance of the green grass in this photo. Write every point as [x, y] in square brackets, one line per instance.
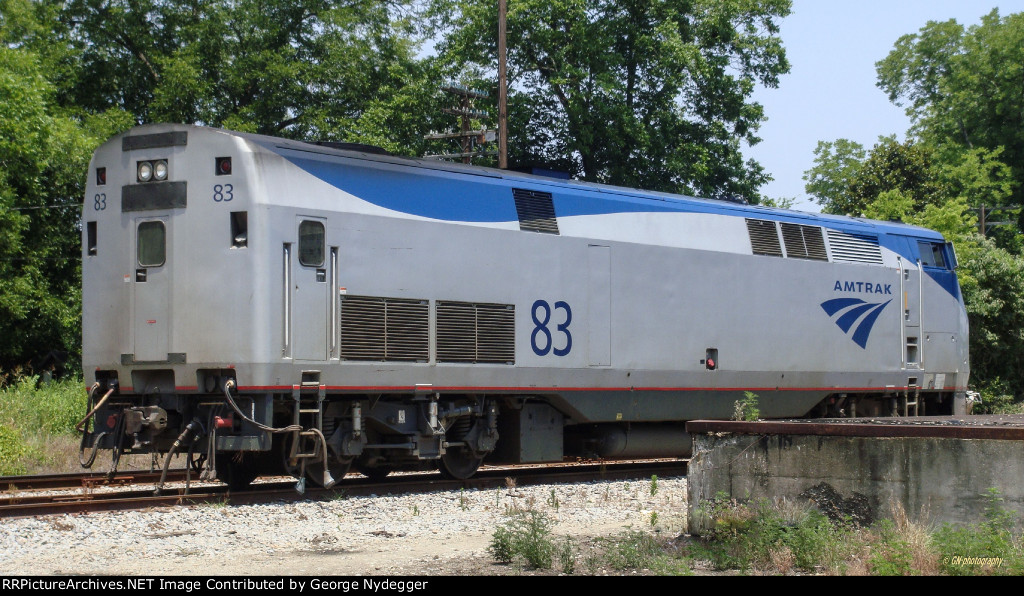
[37, 425]
[767, 538]
[526, 539]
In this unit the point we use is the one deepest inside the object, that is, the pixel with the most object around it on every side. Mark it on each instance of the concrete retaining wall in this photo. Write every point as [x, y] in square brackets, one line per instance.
[935, 480]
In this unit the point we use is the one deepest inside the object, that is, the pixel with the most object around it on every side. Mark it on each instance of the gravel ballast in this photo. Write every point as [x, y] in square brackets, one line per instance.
[440, 533]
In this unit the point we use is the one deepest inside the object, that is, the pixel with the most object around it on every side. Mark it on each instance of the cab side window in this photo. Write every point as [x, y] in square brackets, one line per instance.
[932, 254]
[152, 244]
[311, 243]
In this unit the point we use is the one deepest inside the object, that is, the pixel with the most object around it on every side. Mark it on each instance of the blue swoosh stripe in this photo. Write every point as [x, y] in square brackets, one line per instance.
[860, 336]
[837, 304]
[847, 320]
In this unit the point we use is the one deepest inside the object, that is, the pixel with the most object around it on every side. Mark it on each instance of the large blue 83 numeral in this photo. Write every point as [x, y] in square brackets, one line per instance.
[541, 328]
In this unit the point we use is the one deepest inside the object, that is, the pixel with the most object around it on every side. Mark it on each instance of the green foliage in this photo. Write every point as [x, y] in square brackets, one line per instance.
[527, 536]
[963, 88]
[746, 536]
[890, 554]
[53, 408]
[634, 550]
[654, 484]
[989, 548]
[44, 152]
[12, 450]
[779, 203]
[644, 94]
[836, 165]
[747, 408]
[567, 555]
[300, 68]
[31, 415]
[994, 294]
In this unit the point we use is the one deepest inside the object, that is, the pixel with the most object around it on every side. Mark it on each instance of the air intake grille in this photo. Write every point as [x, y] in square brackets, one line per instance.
[384, 329]
[469, 332]
[804, 242]
[764, 238]
[854, 248]
[536, 211]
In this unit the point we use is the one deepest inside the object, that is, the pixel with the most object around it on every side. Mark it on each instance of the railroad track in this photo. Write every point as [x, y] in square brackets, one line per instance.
[85, 480]
[22, 505]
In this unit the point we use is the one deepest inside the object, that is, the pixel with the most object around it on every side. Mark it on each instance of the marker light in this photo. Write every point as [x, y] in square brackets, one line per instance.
[145, 171]
[160, 169]
[223, 166]
[101, 176]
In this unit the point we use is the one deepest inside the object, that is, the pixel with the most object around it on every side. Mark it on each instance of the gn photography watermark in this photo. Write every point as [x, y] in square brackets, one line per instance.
[958, 561]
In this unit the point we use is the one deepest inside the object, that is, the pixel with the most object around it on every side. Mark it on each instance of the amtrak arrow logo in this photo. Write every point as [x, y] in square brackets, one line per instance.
[849, 311]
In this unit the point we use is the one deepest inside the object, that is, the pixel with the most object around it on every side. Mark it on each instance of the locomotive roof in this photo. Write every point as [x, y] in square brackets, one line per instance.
[591, 188]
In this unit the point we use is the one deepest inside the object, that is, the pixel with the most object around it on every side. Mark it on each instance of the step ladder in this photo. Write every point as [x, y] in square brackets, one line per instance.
[912, 404]
[308, 416]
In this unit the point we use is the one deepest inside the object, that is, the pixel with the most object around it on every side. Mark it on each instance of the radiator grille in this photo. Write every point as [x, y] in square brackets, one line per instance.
[764, 238]
[375, 328]
[536, 211]
[471, 332]
[804, 242]
[854, 248]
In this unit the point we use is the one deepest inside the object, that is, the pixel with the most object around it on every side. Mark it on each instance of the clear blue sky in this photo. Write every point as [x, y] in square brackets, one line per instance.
[830, 92]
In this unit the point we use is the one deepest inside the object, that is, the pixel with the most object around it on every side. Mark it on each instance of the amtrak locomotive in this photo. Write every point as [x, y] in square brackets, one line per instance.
[268, 305]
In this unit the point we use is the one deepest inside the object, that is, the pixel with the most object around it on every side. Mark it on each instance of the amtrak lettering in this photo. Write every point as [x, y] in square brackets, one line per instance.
[865, 287]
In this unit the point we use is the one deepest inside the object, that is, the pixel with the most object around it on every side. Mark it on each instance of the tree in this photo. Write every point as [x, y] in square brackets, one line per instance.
[964, 88]
[43, 157]
[836, 164]
[306, 69]
[630, 92]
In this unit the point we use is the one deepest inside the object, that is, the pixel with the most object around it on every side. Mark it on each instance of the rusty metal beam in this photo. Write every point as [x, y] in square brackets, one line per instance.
[1010, 428]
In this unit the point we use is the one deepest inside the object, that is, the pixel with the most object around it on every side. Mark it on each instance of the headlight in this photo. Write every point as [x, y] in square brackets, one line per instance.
[160, 169]
[145, 171]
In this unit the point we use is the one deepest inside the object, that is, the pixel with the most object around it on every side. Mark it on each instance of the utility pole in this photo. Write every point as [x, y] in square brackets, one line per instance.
[472, 141]
[983, 217]
[502, 89]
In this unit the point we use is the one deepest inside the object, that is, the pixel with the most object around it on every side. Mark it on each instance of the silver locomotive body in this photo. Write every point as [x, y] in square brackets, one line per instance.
[269, 304]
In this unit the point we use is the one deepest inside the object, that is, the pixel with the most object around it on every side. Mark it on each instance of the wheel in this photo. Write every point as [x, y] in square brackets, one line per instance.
[236, 469]
[374, 473]
[459, 464]
[315, 471]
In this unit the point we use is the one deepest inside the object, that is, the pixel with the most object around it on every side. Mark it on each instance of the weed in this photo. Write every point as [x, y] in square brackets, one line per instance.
[634, 550]
[567, 555]
[527, 534]
[553, 500]
[654, 518]
[654, 484]
[747, 408]
[12, 450]
[889, 555]
[462, 500]
[754, 535]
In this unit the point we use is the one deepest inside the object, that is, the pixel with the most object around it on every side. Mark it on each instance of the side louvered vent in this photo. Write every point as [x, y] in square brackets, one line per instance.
[536, 211]
[854, 248]
[470, 332]
[804, 242]
[375, 328]
[764, 238]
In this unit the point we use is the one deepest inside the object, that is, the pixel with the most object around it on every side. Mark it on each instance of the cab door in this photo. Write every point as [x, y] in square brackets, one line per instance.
[151, 288]
[310, 291]
[910, 317]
